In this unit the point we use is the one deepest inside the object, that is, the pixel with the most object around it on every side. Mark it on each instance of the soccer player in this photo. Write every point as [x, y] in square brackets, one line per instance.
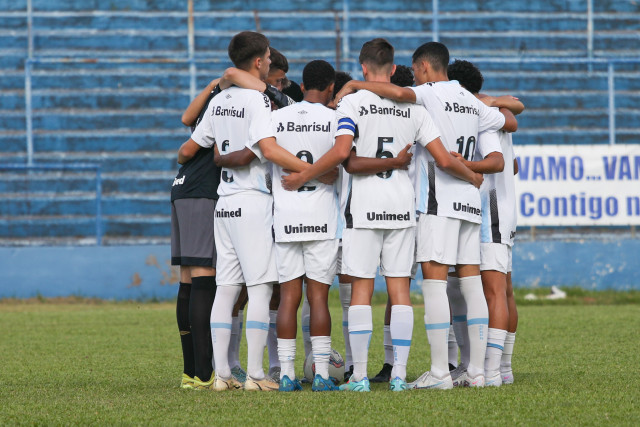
[305, 223]
[193, 200]
[238, 121]
[498, 230]
[380, 211]
[449, 207]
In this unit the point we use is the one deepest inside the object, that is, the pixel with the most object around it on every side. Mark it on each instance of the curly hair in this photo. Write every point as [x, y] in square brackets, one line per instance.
[318, 74]
[403, 76]
[342, 77]
[466, 74]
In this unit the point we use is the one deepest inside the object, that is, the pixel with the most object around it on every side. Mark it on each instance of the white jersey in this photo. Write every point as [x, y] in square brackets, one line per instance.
[343, 185]
[311, 213]
[237, 118]
[385, 200]
[498, 193]
[460, 117]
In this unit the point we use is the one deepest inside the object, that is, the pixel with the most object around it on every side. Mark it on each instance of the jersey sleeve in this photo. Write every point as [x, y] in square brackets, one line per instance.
[260, 126]
[491, 119]
[488, 142]
[347, 117]
[427, 130]
[203, 135]
[421, 93]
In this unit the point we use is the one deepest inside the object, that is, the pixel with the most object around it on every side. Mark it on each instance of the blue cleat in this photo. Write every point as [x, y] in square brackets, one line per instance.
[320, 384]
[397, 384]
[362, 385]
[287, 385]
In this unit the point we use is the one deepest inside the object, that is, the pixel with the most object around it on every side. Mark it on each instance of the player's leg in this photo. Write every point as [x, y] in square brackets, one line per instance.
[385, 373]
[459, 325]
[184, 326]
[203, 292]
[493, 270]
[510, 339]
[436, 251]
[237, 320]
[344, 283]
[305, 316]
[320, 258]
[272, 338]
[453, 348]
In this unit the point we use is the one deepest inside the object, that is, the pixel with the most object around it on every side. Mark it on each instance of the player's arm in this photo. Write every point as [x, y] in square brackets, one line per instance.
[332, 158]
[492, 163]
[235, 76]
[235, 159]
[510, 122]
[187, 150]
[281, 157]
[358, 165]
[385, 90]
[192, 112]
[451, 165]
[515, 167]
[509, 102]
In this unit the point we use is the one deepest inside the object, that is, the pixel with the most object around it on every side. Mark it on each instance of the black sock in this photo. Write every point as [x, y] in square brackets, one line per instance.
[203, 291]
[182, 313]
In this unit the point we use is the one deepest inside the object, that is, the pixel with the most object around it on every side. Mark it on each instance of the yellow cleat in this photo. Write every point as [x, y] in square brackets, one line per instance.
[265, 384]
[198, 384]
[187, 382]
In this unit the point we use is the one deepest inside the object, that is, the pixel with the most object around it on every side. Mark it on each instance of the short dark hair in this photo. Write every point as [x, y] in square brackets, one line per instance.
[278, 61]
[318, 74]
[293, 91]
[466, 74]
[403, 76]
[377, 53]
[436, 54]
[246, 46]
[342, 77]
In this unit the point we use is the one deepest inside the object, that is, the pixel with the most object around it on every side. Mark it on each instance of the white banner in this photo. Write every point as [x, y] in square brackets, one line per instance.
[578, 184]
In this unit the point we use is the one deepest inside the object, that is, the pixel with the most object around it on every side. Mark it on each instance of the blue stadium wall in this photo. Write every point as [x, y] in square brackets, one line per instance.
[143, 272]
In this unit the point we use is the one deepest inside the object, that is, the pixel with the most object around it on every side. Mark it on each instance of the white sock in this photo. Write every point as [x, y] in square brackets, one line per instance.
[436, 322]
[509, 342]
[321, 348]
[234, 343]
[345, 299]
[306, 319]
[459, 319]
[495, 345]
[272, 340]
[477, 322]
[401, 332]
[257, 327]
[287, 355]
[388, 345]
[221, 328]
[453, 347]
[360, 329]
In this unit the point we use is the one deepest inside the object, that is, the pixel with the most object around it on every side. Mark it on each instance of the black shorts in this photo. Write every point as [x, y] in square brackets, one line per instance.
[192, 242]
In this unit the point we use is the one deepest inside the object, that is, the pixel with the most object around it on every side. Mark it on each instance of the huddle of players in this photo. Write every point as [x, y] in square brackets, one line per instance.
[372, 136]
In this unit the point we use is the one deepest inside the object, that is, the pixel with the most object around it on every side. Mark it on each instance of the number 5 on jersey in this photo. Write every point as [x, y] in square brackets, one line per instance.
[381, 153]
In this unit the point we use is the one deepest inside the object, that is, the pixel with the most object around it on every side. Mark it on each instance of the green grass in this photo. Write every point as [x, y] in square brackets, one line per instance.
[92, 362]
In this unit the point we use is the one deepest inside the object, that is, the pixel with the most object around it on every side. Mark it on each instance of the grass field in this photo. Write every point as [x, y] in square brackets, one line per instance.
[92, 362]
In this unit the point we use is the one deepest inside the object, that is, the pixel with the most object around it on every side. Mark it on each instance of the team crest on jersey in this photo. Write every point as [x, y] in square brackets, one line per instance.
[302, 112]
[228, 96]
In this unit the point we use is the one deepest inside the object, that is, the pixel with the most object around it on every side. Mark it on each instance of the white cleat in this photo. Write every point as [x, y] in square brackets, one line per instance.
[477, 381]
[507, 377]
[458, 375]
[493, 381]
[428, 381]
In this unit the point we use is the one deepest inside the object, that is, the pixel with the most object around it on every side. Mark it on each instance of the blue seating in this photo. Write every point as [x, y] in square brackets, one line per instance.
[104, 92]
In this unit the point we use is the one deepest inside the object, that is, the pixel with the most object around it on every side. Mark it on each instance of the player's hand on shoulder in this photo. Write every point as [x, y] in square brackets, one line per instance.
[404, 157]
[347, 89]
[330, 177]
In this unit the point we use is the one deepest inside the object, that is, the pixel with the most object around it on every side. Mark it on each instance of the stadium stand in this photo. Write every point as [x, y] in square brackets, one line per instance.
[109, 81]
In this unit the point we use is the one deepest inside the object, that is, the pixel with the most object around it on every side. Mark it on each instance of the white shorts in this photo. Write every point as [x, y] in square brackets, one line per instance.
[244, 241]
[495, 256]
[317, 259]
[364, 249]
[448, 241]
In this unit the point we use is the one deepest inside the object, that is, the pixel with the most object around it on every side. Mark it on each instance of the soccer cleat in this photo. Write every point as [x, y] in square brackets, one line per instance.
[494, 381]
[477, 381]
[507, 377]
[362, 385]
[428, 381]
[287, 385]
[320, 384]
[458, 375]
[198, 384]
[239, 374]
[347, 374]
[186, 382]
[397, 384]
[265, 384]
[384, 375]
[274, 373]
[222, 384]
